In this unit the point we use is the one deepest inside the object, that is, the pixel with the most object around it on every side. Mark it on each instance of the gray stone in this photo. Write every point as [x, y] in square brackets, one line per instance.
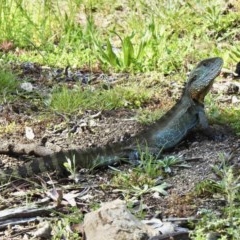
[113, 221]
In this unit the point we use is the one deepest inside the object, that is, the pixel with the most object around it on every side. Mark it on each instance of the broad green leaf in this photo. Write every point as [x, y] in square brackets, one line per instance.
[112, 57]
[141, 50]
[128, 52]
[161, 188]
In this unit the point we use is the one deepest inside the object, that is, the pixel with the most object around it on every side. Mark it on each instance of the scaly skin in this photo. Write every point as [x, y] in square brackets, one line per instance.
[166, 133]
[189, 111]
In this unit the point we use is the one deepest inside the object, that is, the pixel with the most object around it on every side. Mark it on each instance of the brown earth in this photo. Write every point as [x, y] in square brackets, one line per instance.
[94, 128]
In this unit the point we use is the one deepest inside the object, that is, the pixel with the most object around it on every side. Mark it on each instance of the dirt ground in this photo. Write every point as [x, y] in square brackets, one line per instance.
[94, 128]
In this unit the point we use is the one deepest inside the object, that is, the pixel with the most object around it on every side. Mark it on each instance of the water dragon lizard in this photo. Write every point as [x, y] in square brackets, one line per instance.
[165, 133]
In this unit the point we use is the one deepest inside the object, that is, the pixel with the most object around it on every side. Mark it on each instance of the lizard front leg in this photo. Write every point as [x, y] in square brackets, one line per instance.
[203, 122]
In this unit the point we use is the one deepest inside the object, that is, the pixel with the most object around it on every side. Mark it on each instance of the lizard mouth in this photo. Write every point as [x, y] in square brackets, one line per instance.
[200, 95]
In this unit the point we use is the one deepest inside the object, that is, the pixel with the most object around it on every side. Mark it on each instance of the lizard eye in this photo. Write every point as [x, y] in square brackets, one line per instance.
[205, 64]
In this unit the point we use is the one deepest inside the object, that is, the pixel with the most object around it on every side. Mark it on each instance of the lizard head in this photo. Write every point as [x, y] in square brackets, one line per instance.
[202, 76]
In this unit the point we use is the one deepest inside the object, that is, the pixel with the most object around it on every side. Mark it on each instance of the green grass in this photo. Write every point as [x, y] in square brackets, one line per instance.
[227, 186]
[8, 84]
[142, 178]
[147, 117]
[231, 116]
[62, 225]
[149, 36]
[45, 31]
[72, 100]
[223, 113]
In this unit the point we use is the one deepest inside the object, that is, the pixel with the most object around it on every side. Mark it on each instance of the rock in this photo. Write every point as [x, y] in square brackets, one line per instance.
[113, 221]
[235, 100]
[29, 133]
[43, 231]
[162, 227]
[28, 87]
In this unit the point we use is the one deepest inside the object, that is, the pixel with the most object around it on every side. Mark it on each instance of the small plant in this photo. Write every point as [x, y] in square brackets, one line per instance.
[171, 161]
[223, 114]
[126, 180]
[124, 58]
[9, 128]
[149, 163]
[148, 117]
[213, 15]
[235, 53]
[62, 228]
[208, 187]
[142, 178]
[226, 179]
[136, 184]
[66, 100]
[153, 166]
[227, 225]
[8, 83]
[70, 165]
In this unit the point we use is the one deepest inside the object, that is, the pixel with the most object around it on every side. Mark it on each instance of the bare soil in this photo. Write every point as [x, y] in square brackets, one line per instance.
[94, 128]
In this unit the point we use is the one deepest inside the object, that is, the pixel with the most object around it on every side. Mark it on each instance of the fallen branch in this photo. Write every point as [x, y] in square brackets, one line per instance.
[24, 214]
[17, 221]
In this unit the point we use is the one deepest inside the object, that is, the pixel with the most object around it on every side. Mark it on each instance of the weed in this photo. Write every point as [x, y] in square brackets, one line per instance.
[147, 117]
[8, 83]
[140, 212]
[9, 128]
[226, 179]
[222, 113]
[227, 226]
[154, 167]
[70, 165]
[235, 53]
[137, 184]
[213, 14]
[142, 179]
[133, 178]
[94, 206]
[43, 28]
[208, 187]
[62, 227]
[169, 161]
[123, 58]
[148, 163]
[69, 101]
